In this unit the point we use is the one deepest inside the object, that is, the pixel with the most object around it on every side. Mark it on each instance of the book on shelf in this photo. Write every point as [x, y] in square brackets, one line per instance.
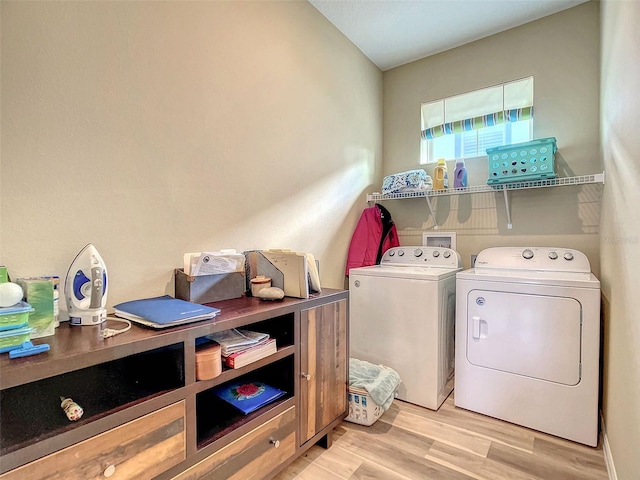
[164, 311]
[248, 396]
[235, 339]
[250, 355]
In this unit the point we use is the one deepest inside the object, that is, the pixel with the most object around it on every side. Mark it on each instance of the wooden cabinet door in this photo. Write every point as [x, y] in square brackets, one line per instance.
[323, 367]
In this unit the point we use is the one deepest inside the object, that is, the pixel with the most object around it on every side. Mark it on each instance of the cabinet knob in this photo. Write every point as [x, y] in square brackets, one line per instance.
[306, 376]
[109, 471]
[276, 443]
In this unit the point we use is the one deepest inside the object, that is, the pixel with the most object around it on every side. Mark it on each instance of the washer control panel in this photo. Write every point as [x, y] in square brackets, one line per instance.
[533, 258]
[425, 256]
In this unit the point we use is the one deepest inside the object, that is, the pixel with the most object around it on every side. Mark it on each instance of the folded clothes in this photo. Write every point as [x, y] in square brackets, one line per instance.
[410, 181]
[381, 382]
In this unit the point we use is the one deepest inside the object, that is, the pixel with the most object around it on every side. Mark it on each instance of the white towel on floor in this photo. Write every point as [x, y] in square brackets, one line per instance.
[381, 382]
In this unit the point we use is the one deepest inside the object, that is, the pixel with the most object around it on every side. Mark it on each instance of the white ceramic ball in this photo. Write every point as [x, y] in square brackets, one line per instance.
[10, 294]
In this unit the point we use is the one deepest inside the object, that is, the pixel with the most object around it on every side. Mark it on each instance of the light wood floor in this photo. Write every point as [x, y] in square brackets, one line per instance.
[409, 442]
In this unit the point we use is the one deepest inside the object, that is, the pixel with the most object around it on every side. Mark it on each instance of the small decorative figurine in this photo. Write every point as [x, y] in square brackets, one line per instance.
[71, 408]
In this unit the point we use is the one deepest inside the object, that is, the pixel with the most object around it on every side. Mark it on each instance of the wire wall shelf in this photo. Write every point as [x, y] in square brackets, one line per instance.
[504, 188]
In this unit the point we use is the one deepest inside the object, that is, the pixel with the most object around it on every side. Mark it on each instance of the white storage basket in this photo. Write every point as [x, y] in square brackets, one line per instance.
[362, 409]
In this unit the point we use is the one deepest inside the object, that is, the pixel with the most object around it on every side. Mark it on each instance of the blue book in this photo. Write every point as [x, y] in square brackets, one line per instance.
[248, 396]
[165, 311]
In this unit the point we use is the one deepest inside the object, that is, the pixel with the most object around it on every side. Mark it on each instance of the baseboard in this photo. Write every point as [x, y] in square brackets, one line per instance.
[608, 458]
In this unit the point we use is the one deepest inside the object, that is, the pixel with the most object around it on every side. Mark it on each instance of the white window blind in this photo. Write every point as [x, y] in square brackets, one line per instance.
[473, 109]
[465, 125]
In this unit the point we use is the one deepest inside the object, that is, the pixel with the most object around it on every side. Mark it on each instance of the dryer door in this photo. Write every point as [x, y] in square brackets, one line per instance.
[532, 335]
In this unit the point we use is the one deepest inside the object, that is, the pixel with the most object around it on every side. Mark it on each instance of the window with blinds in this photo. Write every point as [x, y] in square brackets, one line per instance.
[464, 126]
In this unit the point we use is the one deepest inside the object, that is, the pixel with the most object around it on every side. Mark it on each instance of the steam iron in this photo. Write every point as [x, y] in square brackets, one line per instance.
[85, 288]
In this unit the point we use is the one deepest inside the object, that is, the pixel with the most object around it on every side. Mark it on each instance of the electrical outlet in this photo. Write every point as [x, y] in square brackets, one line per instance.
[473, 260]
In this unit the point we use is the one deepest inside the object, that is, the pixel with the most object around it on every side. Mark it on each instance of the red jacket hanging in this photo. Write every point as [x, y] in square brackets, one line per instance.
[375, 233]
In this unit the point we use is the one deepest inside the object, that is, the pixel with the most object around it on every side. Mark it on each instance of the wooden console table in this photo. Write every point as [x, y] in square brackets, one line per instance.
[145, 414]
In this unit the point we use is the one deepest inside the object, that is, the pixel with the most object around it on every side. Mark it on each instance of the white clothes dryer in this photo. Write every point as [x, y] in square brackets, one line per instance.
[402, 315]
[528, 340]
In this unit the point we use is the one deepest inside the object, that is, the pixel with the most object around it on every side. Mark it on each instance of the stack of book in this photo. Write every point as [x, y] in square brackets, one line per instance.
[242, 347]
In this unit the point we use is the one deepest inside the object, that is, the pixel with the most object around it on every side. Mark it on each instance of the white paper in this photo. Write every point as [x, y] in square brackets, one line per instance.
[314, 277]
[189, 262]
[294, 269]
[211, 263]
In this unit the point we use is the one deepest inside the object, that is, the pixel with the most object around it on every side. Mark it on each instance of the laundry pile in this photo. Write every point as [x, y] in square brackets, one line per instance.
[381, 382]
[409, 181]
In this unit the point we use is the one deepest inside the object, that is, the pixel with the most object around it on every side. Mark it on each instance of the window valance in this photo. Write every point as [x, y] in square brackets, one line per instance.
[483, 121]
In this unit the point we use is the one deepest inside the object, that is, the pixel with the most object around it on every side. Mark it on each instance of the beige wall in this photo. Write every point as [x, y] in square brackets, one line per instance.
[620, 232]
[561, 52]
[156, 128]
[152, 129]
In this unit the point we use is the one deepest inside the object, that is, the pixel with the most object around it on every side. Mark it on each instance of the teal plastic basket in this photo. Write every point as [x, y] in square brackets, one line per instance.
[12, 339]
[15, 316]
[523, 162]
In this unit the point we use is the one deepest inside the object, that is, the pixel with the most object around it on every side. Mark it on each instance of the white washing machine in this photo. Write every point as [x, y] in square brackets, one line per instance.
[527, 340]
[402, 315]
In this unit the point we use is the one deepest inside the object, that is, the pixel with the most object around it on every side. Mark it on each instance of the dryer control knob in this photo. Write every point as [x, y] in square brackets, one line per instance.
[568, 256]
[528, 254]
[553, 255]
[446, 254]
[392, 253]
[400, 253]
[417, 252]
[436, 253]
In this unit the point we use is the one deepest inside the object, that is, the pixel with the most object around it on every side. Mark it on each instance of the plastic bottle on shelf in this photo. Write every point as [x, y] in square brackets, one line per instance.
[440, 176]
[460, 175]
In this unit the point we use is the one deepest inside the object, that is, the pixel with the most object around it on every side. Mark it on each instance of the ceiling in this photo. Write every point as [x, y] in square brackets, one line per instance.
[394, 32]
